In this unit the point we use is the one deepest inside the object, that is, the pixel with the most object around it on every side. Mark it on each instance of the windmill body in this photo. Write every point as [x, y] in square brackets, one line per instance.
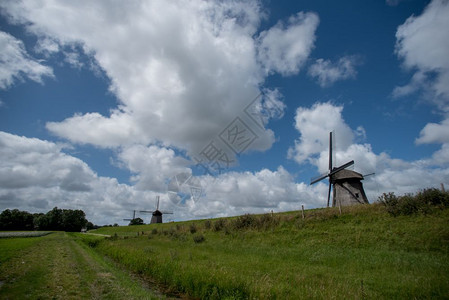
[348, 188]
[347, 185]
[157, 217]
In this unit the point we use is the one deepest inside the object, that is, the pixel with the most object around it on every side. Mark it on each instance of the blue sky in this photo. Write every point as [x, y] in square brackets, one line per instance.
[103, 105]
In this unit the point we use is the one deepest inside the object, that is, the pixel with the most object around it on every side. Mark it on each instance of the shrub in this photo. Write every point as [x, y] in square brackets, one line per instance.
[267, 220]
[154, 231]
[434, 197]
[409, 204]
[192, 228]
[389, 199]
[245, 221]
[219, 224]
[198, 238]
[207, 224]
[93, 243]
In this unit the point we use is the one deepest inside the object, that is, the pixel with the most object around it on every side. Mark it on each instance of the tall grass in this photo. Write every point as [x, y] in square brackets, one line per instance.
[362, 253]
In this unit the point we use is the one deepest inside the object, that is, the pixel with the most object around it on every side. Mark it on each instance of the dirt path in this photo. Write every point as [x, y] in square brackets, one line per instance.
[57, 267]
[97, 234]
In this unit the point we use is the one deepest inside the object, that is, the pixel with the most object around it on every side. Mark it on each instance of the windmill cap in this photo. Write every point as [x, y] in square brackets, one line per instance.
[347, 174]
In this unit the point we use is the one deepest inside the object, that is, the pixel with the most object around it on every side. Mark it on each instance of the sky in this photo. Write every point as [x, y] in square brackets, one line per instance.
[221, 108]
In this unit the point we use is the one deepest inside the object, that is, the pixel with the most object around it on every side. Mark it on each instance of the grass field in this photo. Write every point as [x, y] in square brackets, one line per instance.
[22, 234]
[58, 266]
[363, 253]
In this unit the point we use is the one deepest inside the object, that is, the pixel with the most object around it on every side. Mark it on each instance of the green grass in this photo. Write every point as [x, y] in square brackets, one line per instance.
[60, 266]
[23, 234]
[10, 247]
[363, 253]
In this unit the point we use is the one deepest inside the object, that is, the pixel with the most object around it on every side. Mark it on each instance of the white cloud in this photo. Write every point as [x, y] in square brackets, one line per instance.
[434, 133]
[152, 166]
[237, 193]
[285, 47]
[392, 175]
[182, 71]
[15, 63]
[327, 72]
[314, 124]
[32, 162]
[423, 44]
[36, 176]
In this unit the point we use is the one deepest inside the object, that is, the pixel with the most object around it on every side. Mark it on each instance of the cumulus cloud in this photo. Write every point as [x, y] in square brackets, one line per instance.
[285, 47]
[182, 71]
[17, 64]
[434, 133]
[185, 74]
[314, 124]
[392, 175]
[32, 162]
[422, 42]
[152, 166]
[36, 175]
[236, 193]
[327, 72]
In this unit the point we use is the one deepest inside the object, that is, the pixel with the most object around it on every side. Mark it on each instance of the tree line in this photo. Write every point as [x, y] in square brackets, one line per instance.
[56, 219]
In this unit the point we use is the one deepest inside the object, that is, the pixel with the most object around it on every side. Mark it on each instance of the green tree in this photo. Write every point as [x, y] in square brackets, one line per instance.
[73, 220]
[16, 220]
[136, 221]
[54, 218]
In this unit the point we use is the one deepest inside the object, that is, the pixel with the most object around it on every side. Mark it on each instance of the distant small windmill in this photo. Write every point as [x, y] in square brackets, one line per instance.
[157, 214]
[134, 216]
[347, 185]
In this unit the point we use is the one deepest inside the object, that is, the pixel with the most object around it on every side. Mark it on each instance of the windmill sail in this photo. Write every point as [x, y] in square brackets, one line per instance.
[134, 216]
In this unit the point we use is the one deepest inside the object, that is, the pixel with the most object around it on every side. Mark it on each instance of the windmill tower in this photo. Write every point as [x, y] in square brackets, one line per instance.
[347, 185]
[157, 214]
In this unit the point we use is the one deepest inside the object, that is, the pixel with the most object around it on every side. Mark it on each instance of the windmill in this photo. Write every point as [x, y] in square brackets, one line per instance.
[134, 216]
[346, 184]
[157, 214]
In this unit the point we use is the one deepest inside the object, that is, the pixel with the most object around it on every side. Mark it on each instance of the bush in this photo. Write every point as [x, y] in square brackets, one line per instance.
[410, 204]
[245, 221]
[192, 228]
[93, 243]
[267, 220]
[198, 238]
[219, 224]
[434, 197]
[207, 224]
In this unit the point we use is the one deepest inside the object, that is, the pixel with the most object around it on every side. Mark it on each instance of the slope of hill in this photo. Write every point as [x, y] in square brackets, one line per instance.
[364, 252]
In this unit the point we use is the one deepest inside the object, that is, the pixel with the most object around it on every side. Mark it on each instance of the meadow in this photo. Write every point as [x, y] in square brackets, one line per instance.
[59, 266]
[389, 250]
[24, 234]
[363, 253]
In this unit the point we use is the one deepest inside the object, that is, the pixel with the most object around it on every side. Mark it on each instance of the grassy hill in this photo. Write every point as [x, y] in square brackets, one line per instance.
[365, 252]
